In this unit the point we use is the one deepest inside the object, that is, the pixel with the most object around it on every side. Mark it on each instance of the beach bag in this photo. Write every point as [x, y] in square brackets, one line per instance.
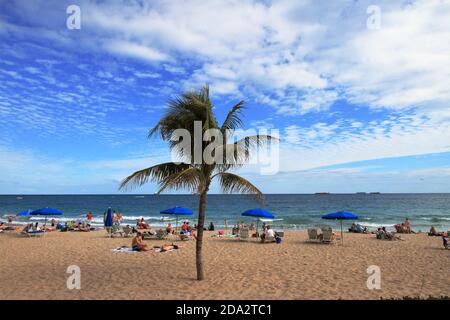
[221, 232]
[277, 240]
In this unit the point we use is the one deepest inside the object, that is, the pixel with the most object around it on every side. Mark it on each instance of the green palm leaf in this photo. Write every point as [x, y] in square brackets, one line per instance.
[232, 183]
[155, 173]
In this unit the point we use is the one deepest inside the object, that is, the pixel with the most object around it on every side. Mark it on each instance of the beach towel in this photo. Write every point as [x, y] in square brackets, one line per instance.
[121, 249]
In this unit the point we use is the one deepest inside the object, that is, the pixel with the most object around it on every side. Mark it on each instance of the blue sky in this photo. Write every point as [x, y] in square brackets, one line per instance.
[358, 109]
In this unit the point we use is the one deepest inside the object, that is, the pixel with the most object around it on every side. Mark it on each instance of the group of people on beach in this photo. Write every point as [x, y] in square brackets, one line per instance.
[137, 244]
[267, 232]
[357, 228]
[404, 227]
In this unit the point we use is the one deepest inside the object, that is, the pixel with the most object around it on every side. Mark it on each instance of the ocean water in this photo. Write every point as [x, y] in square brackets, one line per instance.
[292, 211]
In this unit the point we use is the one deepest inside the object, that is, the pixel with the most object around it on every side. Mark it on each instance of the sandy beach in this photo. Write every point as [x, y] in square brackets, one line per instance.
[35, 268]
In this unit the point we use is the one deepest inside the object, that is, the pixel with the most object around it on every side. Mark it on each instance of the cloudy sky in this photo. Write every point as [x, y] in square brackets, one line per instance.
[361, 103]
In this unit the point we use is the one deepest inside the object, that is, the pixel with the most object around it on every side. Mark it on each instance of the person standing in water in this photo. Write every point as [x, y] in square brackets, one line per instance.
[89, 217]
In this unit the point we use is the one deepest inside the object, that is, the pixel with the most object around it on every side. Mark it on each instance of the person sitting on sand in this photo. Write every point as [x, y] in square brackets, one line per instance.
[184, 227]
[84, 228]
[142, 225]
[268, 233]
[389, 235]
[352, 228]
[445, 241]
[211, 227]
[407, 225]
[47, 229]
[169, 228]
[137, 243]
[251, 227]
[380, 234]
[433, 232]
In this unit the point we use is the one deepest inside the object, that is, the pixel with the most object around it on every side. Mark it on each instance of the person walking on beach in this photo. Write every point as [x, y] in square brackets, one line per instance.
[119, 218]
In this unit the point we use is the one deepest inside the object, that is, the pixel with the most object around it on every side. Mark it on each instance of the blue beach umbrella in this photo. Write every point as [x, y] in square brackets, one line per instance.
[108, 219]
[258, 213]
[177, 211]
[46, 212]
[25, 213]
[341, 215]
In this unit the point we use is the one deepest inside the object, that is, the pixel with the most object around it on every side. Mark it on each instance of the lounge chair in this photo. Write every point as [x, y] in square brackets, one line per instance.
[161, 234]
[244, 234]
[313, 236]
[279, 234]
[327, 235]
[115, 230]
[34, 233]
[127, 231]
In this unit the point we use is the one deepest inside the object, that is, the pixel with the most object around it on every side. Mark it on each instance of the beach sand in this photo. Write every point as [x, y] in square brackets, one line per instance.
[35, 268]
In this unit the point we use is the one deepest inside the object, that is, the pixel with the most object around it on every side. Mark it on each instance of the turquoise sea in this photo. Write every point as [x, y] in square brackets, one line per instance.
[292, 211]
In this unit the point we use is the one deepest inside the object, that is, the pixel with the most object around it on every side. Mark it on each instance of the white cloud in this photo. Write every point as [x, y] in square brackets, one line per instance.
[136, 50]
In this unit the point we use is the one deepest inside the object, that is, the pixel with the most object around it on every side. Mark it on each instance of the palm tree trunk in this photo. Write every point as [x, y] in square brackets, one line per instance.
[199, 244]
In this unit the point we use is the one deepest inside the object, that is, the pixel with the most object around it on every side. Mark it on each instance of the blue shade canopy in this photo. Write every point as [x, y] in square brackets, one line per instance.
[46, 212]
[259, 213]
[178, 211]
[341, 215]
[109, 218]
[25, 213]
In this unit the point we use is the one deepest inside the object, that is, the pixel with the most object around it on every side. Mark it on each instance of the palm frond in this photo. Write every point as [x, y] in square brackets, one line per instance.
[233, 121]
[238, 153]
[155, 173]
[182, 111]
[232, 183]
[190, 178]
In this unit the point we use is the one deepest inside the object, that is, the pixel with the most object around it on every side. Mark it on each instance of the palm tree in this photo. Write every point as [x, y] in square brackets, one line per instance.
[181, 113]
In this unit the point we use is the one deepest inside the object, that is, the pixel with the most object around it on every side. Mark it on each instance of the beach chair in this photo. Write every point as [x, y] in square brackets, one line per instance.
[127, 231]
[313, 236]
[161, 234]
[327, 235]
[115, 230]
[279, 234]
[244, 234]
[34, 233]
